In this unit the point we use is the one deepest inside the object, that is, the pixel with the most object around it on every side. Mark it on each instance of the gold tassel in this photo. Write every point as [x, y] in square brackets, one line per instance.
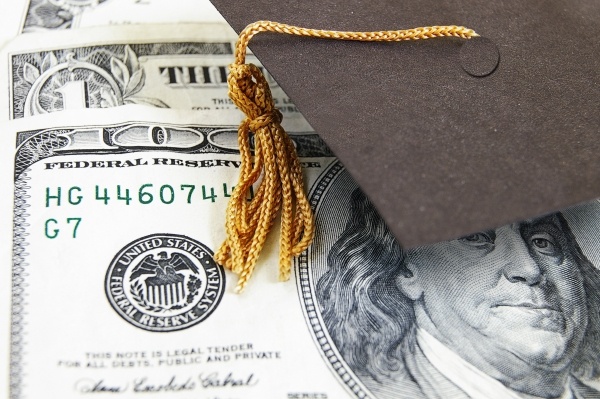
[275, 158]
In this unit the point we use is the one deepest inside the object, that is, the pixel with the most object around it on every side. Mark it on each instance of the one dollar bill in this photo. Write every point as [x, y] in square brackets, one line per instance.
[185, 68]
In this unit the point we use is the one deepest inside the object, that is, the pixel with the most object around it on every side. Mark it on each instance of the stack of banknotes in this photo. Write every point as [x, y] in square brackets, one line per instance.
[118, 154]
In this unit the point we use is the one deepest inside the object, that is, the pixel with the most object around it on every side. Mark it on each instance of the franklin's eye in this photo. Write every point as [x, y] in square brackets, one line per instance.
[544, 243]
[477, 239]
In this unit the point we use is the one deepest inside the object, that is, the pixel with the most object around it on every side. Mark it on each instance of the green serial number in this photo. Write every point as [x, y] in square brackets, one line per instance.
[145, 194]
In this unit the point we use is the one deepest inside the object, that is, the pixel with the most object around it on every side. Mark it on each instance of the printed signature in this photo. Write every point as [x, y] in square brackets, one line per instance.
[173, 384]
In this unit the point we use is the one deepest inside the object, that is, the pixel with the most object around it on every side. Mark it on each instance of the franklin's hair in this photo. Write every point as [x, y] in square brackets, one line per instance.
[367, 315]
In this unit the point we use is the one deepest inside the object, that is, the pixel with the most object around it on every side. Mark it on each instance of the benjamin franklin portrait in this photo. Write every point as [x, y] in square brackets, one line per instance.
[512, 312]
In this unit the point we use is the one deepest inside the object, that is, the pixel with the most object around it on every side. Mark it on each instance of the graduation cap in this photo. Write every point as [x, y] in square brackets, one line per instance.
[449, 136]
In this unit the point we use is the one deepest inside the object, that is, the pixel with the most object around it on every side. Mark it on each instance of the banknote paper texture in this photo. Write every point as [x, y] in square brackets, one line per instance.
[35, 16]
[161, 69]
[46, 15]
[10, 22]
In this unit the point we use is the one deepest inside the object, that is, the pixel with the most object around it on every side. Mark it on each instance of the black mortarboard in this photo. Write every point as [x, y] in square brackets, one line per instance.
[447, 136]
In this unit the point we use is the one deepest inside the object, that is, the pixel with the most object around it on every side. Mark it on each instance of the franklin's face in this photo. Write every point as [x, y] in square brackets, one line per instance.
[516, 291]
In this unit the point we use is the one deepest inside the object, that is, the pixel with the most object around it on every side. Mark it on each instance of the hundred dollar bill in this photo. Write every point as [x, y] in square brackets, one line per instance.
[44, 15]
[114, 285]
[115, 289]
[164, 67]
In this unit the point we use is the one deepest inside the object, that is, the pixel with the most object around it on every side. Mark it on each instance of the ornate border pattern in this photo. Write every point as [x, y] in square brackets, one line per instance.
[306, 293]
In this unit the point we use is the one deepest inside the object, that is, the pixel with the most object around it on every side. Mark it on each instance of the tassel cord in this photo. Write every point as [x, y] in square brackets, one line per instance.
[422, 33]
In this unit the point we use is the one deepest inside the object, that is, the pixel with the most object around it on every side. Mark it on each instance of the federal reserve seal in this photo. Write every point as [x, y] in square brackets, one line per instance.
[164, 282]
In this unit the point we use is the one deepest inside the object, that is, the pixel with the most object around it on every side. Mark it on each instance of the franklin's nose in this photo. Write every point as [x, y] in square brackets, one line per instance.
[520, 266]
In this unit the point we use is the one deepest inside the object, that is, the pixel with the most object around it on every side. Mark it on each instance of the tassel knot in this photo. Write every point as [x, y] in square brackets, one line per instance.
[274, 117]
